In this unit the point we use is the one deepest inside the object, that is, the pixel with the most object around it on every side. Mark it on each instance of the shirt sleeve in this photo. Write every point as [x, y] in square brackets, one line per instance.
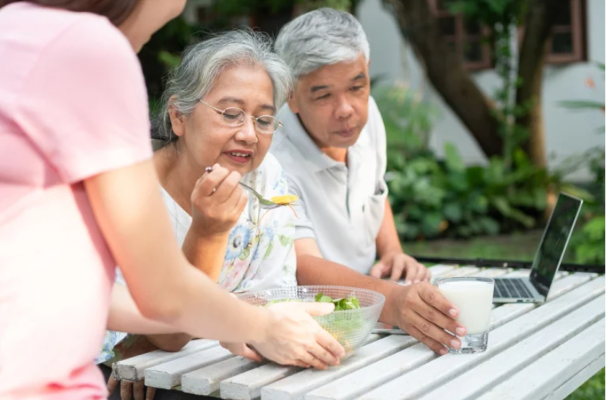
[380, 137]
[84, 103]
[303, 225]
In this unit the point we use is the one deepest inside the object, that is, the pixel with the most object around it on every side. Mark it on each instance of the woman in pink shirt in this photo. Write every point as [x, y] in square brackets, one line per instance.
[79, 195]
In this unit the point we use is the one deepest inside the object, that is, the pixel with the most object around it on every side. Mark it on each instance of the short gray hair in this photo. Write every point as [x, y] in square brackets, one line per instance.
[321, 37]
[202, 63]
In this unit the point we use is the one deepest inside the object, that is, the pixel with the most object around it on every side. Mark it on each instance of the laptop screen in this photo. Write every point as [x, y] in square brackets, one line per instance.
[555, 238]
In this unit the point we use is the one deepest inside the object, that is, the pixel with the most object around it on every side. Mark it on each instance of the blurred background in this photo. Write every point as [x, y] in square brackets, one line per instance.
[484, 128]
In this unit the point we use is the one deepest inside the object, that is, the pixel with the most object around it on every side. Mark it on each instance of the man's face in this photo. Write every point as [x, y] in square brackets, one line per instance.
[332, 102]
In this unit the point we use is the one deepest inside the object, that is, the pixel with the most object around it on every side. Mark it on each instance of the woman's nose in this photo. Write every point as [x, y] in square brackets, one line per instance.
[247, 132]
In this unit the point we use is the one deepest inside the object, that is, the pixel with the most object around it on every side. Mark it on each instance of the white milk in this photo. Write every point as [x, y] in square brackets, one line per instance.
[474, 301]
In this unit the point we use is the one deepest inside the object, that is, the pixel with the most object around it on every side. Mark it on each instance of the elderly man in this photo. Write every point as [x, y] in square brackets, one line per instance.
[332, 147]
[333, 150]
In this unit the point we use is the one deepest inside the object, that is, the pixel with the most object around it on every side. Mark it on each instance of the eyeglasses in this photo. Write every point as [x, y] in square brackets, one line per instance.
[233, 116]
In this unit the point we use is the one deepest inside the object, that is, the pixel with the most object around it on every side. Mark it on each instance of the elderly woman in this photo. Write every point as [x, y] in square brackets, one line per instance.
[218, 110]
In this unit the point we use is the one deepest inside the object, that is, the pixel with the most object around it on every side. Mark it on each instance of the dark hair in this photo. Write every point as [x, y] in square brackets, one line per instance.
[115, 10]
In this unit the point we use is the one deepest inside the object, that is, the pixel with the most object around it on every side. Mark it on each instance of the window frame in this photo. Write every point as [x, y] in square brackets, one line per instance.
[577, 27]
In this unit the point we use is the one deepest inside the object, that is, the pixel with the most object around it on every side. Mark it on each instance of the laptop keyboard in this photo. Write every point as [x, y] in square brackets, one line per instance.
[514, 287]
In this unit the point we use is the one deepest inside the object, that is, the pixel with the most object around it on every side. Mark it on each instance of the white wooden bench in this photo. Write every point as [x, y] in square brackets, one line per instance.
[533, 353]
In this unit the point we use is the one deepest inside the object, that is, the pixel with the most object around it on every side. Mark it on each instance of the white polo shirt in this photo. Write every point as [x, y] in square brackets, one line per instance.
[339, 205]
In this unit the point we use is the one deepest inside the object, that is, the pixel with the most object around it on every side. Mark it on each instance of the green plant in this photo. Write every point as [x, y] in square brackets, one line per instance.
[432, 197]
[501, 16]
[408, 119]
[587, 242]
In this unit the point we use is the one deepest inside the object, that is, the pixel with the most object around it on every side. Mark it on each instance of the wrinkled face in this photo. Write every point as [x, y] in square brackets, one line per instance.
[332, 102]
[205, 138]
[147, 17]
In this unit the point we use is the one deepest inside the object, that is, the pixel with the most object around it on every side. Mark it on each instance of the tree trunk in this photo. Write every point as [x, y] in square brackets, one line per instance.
[446, 72]
[540, 19]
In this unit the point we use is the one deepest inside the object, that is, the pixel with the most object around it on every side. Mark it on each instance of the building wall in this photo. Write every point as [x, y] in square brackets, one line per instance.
[567, 132]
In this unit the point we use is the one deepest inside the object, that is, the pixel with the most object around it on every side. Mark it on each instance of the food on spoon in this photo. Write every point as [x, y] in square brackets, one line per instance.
[287, 199]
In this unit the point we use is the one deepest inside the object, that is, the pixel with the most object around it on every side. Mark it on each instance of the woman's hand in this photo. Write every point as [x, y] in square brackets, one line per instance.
[217, 201]
[131, 390]
[293, 337]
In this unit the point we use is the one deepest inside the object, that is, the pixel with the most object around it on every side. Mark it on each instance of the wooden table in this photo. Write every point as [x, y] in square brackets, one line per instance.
[533, 353]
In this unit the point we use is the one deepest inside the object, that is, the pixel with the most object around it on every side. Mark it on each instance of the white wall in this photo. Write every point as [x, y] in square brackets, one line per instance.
[567, 132]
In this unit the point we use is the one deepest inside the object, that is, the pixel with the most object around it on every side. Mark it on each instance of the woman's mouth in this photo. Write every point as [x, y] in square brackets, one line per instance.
[239, 157]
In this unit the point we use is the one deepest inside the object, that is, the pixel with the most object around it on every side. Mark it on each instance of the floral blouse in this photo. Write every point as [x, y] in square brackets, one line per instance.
[260, 250]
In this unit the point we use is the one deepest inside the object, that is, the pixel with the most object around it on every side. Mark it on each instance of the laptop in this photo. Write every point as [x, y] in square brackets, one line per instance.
[547, 260]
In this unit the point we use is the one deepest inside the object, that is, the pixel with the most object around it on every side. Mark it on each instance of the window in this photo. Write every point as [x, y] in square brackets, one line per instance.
[568, 43]
[465, 37]
[568, 40]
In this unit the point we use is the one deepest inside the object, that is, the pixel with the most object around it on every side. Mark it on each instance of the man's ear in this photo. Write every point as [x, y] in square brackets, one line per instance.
[293, 104]
[176, 118]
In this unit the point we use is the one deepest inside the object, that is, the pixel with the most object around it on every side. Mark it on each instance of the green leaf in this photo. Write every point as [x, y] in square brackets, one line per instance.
[522, 218]
[453, 212]
[478, 203]
[321, 298]
[475, 176]
[581, 104]
[489, 225]
[430, 225]
[501, 204]
[458, 181]
[453, 158]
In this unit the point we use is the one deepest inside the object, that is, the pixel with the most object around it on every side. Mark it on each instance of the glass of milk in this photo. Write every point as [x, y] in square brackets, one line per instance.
[473, 297]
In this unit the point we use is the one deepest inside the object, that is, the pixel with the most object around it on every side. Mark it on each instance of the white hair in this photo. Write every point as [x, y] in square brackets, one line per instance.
[321, 37]
[202, 63]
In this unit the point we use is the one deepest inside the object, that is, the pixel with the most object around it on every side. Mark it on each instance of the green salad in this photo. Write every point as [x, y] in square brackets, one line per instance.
[348, 303]
[345, 327]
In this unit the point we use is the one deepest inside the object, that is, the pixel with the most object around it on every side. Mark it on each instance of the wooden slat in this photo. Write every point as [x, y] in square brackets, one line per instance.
[439, 269]
[370, 377]
[417, 382]
[133, 369]
[206, 380]
[248, 385]
[493, 272]
[473, 383]
[168, 375]
[374, 375]
[540, 378]
[572, 384]
[295, 386]
[462, 271]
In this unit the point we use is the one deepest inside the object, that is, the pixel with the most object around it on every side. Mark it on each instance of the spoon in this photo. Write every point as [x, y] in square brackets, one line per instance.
[263, 202]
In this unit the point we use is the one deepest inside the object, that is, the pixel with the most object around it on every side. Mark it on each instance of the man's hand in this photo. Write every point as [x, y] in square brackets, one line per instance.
[397, 265]
[131, 390]
[241, 349]
[422, 311]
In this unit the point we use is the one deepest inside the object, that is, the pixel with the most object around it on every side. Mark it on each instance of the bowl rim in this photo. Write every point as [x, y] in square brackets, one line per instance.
[380, 303]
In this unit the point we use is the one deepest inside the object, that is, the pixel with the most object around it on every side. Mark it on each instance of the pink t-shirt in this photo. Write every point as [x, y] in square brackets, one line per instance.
[73, 104]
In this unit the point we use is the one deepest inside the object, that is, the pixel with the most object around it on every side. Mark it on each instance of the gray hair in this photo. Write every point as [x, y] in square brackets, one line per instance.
[202, 63]
[321, 37]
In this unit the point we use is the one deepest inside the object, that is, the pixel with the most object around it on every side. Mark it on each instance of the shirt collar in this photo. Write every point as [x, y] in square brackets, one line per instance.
[300, 138]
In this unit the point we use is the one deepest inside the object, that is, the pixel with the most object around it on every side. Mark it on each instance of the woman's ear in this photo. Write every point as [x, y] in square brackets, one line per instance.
[176, 118]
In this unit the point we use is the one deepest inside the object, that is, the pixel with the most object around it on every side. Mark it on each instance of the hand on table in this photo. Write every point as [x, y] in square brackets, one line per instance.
[397, 265]
[131, 390]
[422, 311]
[293, 337]
[244, 350]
